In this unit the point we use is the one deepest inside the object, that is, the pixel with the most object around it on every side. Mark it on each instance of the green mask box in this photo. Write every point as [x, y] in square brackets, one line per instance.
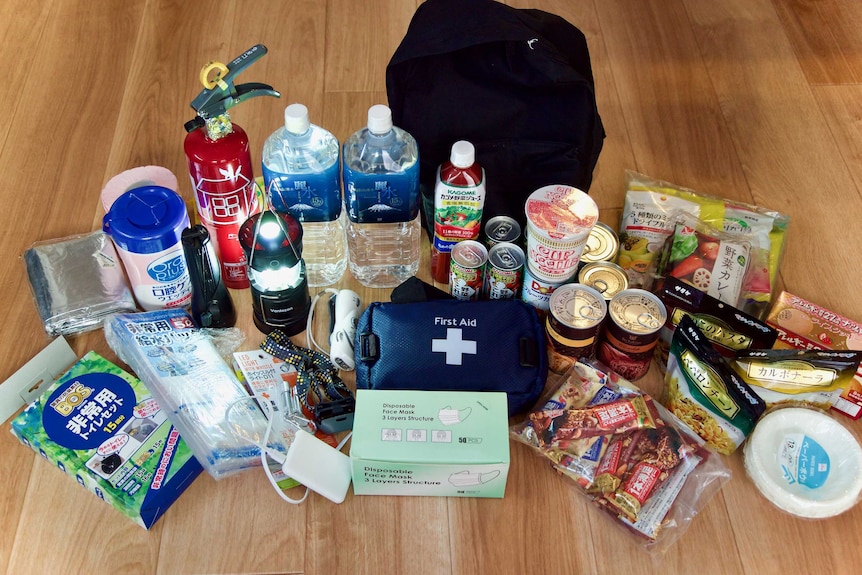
[436, 443]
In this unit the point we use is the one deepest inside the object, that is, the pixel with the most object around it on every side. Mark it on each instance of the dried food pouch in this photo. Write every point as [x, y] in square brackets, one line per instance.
[708, 259]
[728, 328]
[765, 230]
[788, 376]
[706, 394]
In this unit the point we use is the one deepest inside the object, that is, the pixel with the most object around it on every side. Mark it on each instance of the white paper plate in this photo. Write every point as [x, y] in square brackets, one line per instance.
[805, 462]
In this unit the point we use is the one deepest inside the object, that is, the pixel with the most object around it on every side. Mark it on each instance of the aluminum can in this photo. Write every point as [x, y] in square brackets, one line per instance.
[635, 317]
[607, 278]
[504, 272]
[537, 292]
[467, 270]
[501, 229]
[575, 316]
[603, 245]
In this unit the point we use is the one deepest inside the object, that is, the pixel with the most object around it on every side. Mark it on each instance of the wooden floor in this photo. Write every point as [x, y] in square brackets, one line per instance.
[755, 100]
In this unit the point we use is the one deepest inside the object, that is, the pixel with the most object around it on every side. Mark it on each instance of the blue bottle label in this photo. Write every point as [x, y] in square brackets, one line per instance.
[381, 198]
[307, 197]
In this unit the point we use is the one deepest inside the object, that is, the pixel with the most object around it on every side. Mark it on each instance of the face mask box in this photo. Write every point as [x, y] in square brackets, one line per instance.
[437, 443]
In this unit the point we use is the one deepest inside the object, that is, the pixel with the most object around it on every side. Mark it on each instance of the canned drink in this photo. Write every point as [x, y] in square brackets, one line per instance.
[575, 316]
[635, 318]
[500, 229]
[607, 278]
[466, 270]
[504, 272]
[603, 244]
[537, 292]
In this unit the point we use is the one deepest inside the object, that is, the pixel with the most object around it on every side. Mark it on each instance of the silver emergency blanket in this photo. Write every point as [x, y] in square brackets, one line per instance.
[77, 282]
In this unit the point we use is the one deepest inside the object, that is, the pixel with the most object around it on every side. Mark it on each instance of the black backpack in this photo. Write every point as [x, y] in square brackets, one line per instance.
[517, 83]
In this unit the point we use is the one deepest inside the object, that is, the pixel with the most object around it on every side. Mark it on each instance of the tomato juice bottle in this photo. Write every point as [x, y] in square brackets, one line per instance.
[459, 197]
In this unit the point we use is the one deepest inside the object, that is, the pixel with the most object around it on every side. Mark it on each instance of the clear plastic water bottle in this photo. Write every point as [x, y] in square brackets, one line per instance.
[301, 177]
[381, 191]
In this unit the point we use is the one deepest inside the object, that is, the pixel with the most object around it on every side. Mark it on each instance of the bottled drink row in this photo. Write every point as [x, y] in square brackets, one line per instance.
[376, 229]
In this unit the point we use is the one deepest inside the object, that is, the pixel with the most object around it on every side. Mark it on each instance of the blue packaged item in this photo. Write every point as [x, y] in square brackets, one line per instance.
[301, 177]
[146, 225]
[201, 394]
[453, 345]
[101, 426]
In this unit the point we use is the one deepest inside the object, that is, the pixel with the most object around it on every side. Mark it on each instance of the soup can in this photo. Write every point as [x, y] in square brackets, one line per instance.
[466, 269]
[504, 272]
[635, 318]
[607, 278]
[575, 315]
[603, 244]
[537, 292]
[559, 221]
[500, 229]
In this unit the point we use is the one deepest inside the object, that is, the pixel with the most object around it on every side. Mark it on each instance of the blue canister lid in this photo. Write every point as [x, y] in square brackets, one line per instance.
[146, 220]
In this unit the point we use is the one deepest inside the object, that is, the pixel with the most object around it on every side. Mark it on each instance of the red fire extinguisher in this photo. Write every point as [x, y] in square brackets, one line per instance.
[220, 164]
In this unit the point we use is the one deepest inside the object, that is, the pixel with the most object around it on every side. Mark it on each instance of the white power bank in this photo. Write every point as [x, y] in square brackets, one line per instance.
[318, 466]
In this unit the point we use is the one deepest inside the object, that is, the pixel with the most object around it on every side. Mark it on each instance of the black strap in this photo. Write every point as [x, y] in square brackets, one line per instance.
[316, 376]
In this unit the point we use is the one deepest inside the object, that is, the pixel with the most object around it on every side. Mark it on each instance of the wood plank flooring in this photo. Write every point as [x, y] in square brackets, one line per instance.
[754, 100]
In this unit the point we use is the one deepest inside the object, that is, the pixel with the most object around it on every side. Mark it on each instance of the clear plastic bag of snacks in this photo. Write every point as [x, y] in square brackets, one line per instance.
[632, 457]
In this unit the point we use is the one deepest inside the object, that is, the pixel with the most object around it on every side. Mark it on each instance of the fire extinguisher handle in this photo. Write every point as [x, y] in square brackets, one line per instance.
[220, 92]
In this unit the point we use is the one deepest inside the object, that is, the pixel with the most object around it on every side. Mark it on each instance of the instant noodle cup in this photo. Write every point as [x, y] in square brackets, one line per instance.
[559, 221]
[805, 462]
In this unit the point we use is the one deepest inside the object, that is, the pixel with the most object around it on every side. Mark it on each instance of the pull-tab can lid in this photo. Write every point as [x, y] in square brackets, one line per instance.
[146, 220]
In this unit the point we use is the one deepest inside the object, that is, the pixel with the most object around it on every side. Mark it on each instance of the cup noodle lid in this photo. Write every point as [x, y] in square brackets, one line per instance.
[805, 462]
[561, 212]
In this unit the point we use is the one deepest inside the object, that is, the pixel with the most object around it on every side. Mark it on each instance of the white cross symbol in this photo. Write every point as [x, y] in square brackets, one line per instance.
[453, 346]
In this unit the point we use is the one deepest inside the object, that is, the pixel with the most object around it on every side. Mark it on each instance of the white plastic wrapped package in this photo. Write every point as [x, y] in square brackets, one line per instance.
[184, 371]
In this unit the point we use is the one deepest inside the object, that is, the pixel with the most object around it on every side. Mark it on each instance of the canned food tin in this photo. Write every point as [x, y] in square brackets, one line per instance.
[504, 272]
[575, 315]
[602, 245]
[466, 270]
[607, 278]
[635, 317]
[501, 229]
[537, 292]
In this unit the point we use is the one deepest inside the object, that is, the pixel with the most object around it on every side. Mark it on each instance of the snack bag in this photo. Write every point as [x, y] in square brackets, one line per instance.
[706, 394]
[647, 470]
[710, 260]
[729, 329]
[647, 220]
[797, 377]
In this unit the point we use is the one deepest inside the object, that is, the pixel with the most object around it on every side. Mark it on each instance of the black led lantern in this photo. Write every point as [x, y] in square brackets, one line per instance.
[272, 242]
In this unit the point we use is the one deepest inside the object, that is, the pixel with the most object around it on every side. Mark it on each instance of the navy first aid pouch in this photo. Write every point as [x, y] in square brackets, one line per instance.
[453, 345]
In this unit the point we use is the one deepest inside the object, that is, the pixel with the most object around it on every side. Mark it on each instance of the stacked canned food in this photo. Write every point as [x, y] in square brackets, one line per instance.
[477, 272]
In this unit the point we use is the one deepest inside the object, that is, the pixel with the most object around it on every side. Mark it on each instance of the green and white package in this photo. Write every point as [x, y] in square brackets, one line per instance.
[438, 443]
[101, 426]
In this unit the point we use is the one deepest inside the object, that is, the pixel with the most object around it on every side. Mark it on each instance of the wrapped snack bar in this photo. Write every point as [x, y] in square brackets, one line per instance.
[643, 467]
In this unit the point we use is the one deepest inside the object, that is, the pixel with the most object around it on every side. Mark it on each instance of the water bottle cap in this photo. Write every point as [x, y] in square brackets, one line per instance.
[379, 119]
[296, 119]
[463, 154]
[146, 220]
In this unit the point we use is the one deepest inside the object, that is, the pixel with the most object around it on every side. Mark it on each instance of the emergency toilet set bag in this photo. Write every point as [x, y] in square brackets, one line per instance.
[453, 345]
